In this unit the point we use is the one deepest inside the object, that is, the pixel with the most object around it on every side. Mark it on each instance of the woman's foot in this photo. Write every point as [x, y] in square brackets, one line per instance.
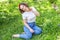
[16, 35]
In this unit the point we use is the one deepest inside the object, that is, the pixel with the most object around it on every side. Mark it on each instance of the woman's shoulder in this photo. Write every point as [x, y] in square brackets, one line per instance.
[25, 13]
[33, 8]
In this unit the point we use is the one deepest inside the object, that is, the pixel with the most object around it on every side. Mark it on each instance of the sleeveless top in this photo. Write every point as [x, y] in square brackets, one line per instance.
[29, 16]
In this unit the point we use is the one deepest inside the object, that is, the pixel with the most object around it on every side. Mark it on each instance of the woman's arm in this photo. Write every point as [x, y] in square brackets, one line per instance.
[25, 23]
[35, 11]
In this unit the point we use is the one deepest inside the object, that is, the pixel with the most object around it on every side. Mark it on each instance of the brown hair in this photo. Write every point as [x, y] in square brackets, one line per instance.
[22, 4]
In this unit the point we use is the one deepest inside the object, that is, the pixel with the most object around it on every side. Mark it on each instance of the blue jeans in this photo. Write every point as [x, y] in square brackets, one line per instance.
[28, 34]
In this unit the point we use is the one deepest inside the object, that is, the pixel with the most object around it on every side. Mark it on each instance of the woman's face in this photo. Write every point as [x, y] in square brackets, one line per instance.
[24, 8]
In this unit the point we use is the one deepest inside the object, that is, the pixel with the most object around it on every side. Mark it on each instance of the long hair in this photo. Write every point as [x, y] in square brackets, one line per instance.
[25, 4]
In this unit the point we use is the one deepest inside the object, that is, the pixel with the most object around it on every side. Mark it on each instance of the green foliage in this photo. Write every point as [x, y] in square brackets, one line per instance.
[11, 19]
[8, 11]
[52, 1]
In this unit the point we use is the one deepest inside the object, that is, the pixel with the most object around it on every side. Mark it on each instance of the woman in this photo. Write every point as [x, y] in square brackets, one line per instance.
[29, 16]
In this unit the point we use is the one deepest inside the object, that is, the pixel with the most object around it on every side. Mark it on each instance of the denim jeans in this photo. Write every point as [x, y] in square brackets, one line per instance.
[28, 34]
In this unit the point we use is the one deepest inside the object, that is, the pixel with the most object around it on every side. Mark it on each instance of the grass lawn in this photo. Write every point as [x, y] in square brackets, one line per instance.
[50, 32]
[11, 20]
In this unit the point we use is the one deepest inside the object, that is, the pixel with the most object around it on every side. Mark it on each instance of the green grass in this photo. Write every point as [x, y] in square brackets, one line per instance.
[50, 30]
[11, 20]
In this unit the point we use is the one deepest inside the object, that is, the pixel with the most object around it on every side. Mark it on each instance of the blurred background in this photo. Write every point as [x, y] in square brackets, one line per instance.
[11, 19]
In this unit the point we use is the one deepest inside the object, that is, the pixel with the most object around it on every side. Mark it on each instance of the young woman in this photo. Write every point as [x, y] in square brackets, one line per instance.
[29, 16]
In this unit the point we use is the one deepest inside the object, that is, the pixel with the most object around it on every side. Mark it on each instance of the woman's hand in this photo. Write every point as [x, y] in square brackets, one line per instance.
[35, 11]
[31, 30]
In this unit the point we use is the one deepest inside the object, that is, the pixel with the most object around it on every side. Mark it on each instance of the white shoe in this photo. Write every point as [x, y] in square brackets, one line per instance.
[16, 35]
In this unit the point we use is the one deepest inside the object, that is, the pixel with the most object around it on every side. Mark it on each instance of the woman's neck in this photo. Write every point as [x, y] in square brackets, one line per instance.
[28, 10]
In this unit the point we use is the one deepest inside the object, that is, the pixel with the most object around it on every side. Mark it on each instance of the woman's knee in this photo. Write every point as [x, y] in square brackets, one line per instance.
[38, 31]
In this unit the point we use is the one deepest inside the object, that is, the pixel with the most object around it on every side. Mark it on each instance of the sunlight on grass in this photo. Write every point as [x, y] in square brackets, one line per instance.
[58, 37]
[11, 19]
[3, 0]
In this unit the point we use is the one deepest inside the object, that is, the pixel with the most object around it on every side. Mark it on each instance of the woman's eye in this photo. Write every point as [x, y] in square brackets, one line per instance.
[21, 6]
